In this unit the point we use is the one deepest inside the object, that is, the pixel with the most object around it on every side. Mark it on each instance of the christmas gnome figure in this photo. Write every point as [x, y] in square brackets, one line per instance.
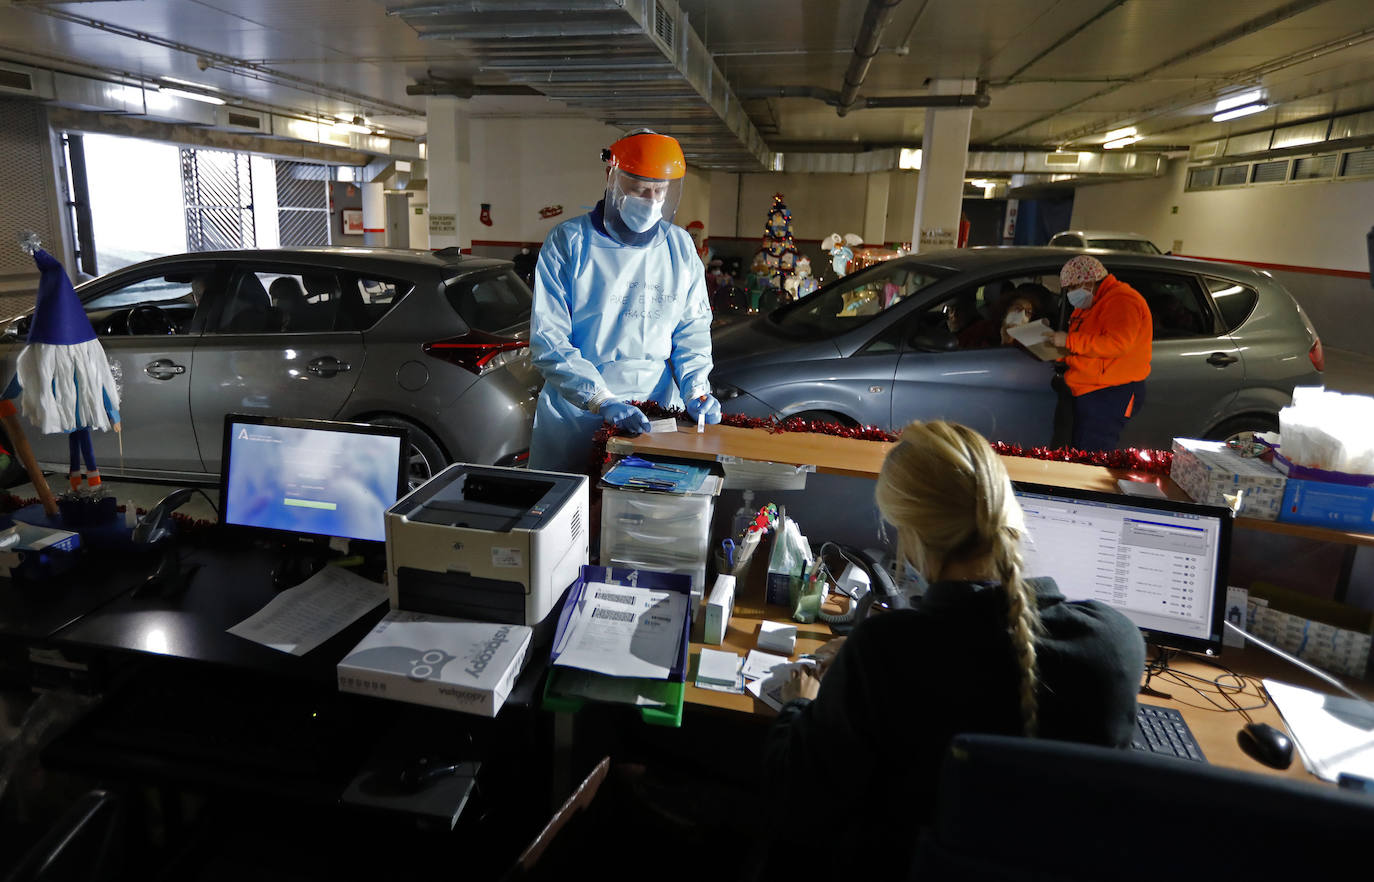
[62, 377]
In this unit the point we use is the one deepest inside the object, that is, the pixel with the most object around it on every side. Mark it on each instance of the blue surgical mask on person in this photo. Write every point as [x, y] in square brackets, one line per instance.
[639, 213]
[1081, 298]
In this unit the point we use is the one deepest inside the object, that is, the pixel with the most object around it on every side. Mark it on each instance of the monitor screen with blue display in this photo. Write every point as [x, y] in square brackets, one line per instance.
[311, 477]
[1161, 562]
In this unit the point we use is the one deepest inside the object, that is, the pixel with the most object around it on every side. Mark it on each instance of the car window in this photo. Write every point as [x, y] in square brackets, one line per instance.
[1234, 301]
[493, 301]
[366, 299]
[974, 317]
[853, 301]
[153, 306]
[1176, 303]
[1140, 246]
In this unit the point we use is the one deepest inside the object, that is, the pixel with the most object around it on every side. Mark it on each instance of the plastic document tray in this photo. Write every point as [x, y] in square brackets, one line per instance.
[671, 713]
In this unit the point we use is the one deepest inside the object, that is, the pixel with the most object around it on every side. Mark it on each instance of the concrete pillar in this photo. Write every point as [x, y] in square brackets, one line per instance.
[448, 155]
[944, 156]
[875, 209]
[374, 214]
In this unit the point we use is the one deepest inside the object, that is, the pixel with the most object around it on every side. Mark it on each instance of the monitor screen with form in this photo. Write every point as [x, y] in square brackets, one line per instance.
[1161, 563]
[311, 477]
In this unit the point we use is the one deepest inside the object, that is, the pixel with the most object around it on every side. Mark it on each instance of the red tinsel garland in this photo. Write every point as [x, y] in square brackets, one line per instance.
[1134, 459]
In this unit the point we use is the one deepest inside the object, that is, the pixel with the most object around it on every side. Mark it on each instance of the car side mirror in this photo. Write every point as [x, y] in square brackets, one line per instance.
[934, 340]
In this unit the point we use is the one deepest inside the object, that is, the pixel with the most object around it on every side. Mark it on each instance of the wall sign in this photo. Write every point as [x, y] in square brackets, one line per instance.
[443, 224]
[549, 211]
[352, 221]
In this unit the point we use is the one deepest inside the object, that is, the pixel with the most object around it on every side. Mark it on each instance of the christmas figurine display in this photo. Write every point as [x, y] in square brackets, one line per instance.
[840, 254]
[62, 376]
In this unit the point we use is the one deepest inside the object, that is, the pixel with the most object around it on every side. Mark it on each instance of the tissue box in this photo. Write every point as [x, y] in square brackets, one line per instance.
[1338, 650]
[1326, 499]
[424, 659]
[1208, 471]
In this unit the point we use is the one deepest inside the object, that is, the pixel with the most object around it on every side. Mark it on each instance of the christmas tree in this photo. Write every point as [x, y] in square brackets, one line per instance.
[779, 251]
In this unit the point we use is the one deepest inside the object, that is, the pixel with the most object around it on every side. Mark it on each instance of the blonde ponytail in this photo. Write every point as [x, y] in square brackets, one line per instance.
[949, 497]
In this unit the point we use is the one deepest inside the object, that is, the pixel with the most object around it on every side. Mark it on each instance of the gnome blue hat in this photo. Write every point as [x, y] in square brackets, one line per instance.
[57, 316]
[64, 375]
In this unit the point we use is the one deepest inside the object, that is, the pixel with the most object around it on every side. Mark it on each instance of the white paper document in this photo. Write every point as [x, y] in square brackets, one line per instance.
[624, 631]
[719, 670]
[757, 664]
[769, 689]
[1333, 734]
[1037, 337]
[301, 618]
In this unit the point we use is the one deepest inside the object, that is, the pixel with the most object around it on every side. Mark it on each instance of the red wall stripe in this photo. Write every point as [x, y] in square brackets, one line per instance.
[1284, 267]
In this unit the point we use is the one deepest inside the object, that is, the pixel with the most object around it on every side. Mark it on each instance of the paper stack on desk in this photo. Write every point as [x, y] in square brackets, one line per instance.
[624, 631]
[1332, 734]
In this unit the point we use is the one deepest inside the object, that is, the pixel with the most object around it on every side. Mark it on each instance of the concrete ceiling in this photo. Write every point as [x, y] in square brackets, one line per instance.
[1058, 73]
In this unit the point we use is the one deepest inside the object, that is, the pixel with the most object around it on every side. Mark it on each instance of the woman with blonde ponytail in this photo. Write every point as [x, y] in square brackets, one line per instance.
[988, 649]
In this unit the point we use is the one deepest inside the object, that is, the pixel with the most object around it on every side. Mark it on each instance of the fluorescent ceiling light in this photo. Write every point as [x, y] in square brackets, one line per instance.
[193, 96]
[1118, 134]
[909, 158]
[1236, 112]
[1122, 142]
[189, 83]
[355, 126]
[1251, 97]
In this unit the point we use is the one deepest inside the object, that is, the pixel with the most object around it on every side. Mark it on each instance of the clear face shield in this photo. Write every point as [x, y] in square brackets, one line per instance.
[635, 205]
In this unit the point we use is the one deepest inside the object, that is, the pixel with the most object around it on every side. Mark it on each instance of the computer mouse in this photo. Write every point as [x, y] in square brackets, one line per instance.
[418, 774]
[1264, 743]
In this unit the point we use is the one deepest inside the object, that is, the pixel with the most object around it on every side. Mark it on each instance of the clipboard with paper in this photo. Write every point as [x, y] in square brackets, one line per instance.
[1036, 338]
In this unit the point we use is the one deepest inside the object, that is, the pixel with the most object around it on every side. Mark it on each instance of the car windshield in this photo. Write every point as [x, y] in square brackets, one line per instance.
[854, 300]
[1140, 246]
[492, 301]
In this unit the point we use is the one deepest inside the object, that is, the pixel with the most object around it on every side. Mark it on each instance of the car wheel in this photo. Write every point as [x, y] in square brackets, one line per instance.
[424, 459]
[1233, 428]
[824, 416]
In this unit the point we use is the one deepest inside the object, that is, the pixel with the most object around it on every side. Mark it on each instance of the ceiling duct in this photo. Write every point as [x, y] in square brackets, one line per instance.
[987, 162]
[619, 61]
[876, 16]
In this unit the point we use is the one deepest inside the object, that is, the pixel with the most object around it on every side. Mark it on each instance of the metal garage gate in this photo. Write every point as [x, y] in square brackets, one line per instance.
[217, 192]
[302, 203]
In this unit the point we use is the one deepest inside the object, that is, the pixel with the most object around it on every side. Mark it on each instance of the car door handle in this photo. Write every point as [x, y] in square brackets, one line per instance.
[1221, 359]
[328, 366]
[163, 369]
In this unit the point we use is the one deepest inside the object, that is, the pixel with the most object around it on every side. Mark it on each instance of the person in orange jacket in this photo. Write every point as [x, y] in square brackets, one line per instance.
[1107, 350]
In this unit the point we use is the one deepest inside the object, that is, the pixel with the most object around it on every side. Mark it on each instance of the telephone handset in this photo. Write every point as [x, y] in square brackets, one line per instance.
[880, 589]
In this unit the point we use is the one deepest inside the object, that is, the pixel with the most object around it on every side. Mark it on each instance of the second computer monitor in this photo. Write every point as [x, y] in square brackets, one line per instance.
[310, 477]
[1160, 562]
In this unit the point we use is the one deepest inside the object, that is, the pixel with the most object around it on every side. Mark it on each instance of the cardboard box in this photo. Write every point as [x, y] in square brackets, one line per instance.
[1209, 471]
[426, 659]
[1322, 498]
[718, 609]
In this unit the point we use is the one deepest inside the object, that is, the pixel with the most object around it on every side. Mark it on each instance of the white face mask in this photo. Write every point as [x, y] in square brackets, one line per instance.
[639, 213]
[1015, 317]
[1081, 298]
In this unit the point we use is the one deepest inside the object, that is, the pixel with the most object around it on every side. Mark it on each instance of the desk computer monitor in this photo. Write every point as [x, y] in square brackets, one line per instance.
[1162, 563]
[310, 477]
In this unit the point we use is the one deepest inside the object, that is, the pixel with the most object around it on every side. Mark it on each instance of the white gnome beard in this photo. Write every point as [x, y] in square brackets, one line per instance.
[54, 377]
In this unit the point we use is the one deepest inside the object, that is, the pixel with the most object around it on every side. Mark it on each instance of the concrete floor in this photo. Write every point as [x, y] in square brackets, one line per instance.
[1346, 371]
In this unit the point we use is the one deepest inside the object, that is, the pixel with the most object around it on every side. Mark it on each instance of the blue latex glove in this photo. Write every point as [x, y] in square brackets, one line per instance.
[707, 404]
[625, 416]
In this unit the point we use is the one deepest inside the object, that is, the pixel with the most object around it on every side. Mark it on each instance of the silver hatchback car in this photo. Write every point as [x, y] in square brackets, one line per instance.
[885, 346]
[434, 342]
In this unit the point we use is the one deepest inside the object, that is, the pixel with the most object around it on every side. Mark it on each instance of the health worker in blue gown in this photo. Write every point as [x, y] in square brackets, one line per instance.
[620, 309]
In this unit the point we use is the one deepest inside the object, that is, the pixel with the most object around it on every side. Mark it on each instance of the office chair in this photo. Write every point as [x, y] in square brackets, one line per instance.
[1021, 808]
[84, 845]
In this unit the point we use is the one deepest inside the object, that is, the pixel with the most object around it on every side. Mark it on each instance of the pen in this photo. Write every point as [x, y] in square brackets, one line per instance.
[641, 462]
[647, 483]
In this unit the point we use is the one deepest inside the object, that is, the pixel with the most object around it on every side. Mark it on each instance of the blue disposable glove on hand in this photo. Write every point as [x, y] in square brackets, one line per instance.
[705, 404]
[625, 416]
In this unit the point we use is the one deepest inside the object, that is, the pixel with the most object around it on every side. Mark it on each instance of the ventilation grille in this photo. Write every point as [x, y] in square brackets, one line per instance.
[1270, 172]
[1062, 159]
[663, 25]
[1358, 164]
[15, 80]
[23, 178]
[244, 120]
[1208, 150]
[1232, 175]
[1310, 167]
[577, 524]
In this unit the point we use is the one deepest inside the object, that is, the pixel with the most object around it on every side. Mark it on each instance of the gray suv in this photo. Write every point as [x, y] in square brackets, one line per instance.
[886, 345]
[434, 342]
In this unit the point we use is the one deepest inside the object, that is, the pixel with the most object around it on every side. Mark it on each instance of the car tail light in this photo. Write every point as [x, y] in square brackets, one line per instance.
[1316, 354]
[476, 351]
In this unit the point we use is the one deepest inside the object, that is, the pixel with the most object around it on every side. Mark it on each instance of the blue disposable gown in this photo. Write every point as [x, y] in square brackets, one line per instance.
[612, 321]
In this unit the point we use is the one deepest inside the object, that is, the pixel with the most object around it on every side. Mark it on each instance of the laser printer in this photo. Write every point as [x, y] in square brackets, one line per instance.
[488, 543]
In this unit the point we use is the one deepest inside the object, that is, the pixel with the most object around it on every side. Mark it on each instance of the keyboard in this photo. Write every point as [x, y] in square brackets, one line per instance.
[1161, 730]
